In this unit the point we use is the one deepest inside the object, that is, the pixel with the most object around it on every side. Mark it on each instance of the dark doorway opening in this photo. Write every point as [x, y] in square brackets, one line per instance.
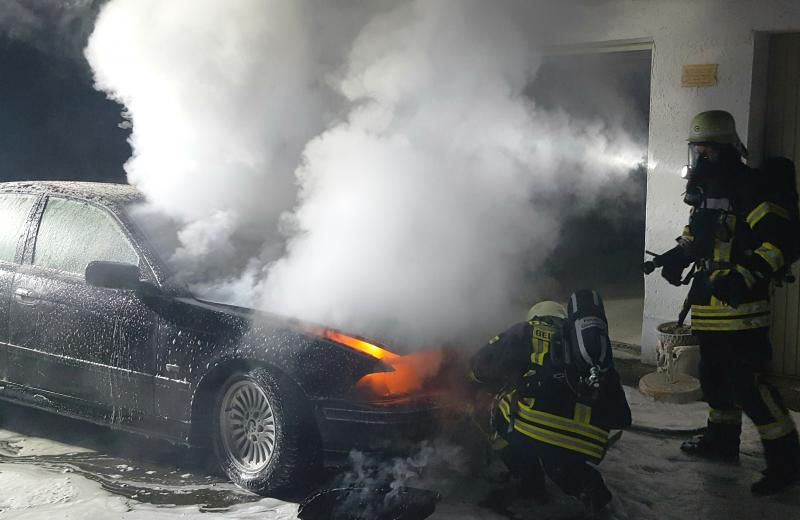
[603, 247]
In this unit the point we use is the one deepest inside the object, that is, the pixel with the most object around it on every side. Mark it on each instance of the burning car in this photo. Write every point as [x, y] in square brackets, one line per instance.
[95, 327]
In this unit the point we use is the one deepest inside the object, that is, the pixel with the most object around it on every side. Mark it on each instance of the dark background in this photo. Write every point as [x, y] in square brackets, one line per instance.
[614, 87]
[53, 123]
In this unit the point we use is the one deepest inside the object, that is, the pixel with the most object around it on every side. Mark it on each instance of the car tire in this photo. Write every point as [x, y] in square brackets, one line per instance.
[264, 434]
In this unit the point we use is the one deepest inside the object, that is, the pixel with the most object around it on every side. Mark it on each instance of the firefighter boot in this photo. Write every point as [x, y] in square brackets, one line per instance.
[783, 465]
[595, 498]
[719, 442]
[534, 488]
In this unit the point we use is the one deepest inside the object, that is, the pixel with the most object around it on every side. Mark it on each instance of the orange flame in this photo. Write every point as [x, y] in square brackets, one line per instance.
[359, 345]
[409, 375]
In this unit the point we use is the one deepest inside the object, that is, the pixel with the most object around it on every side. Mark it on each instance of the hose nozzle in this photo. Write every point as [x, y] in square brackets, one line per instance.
[651, 265]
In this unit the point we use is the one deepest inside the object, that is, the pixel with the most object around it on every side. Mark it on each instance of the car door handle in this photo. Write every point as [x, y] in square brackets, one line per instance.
[25, 296]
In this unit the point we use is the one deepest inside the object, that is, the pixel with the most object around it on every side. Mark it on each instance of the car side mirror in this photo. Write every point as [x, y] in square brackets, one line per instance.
[112, 275]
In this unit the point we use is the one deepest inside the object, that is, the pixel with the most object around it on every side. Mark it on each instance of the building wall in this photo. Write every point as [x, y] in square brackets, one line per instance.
[688, 32]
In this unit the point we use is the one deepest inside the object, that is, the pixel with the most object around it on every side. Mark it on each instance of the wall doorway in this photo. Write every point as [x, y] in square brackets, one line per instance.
[603, 247]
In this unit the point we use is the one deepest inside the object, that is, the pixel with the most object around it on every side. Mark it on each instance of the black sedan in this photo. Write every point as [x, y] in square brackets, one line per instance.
[93, 327]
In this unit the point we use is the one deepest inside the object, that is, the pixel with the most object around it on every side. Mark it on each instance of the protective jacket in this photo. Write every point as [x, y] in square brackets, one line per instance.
[534, 397]
[743, 233]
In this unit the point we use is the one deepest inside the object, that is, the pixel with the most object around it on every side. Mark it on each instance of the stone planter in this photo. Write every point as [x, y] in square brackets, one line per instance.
[677, 351]
[678, 355]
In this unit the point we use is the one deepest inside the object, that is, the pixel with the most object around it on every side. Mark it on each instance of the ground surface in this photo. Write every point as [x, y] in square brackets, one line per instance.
[625, 319]
[57, 468]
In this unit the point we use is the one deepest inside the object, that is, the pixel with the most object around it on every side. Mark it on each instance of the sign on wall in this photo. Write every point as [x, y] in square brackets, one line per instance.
[704, 75]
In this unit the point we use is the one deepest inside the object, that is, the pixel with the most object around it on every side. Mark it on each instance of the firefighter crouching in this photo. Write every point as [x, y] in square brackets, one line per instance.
[740, 237]
[558, 395]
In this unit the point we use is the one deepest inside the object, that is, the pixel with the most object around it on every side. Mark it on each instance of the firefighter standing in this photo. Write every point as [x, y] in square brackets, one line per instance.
[558, 395]
[738, 243]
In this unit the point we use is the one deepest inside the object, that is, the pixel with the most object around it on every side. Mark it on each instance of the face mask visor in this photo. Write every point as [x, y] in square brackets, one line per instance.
[696, 152]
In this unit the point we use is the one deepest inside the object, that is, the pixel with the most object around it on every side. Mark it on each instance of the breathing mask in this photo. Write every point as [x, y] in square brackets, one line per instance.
[709, 175]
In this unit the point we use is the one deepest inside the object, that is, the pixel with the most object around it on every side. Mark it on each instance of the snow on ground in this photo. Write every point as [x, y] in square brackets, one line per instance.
[648, 414]
[52, 467]
[34, 492]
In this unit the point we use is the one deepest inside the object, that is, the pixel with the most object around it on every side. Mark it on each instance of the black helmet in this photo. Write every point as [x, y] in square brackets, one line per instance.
[587, 352]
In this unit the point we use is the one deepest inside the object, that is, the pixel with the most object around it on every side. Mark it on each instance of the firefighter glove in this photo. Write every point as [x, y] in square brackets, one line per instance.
[673, 263]
[673, 273]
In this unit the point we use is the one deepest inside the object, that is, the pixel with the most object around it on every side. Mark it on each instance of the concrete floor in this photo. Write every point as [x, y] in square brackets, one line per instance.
[51, 467]
[625, 319]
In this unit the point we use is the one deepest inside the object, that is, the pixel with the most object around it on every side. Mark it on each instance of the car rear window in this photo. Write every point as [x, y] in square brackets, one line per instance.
[14, 211]
[73, 233]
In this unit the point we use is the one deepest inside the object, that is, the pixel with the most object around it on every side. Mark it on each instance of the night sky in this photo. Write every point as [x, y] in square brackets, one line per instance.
[53, 123]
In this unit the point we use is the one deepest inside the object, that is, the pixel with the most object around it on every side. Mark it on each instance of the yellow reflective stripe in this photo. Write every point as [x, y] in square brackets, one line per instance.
[722, 251]
[507, 395]
[560, 440]
[749, 279]
[555, 438]
[540, 340]
[540, 348]
[783, 424]
[583, 413]
[771, 254]
[774, 408]
[557, 421]
[764, 209]
[732, 325]
[725, 416]
[473, 377]
[724, 310]
[752, 315]
[687, 235]
[718, 274]
[774, 430]
[497, 443]
[563, 423]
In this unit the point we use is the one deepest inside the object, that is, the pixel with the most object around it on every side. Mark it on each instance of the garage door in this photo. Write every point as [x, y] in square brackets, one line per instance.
[782, 137]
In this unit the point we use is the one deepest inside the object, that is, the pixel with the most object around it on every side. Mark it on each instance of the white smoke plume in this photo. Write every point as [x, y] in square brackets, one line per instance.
[376, 167]
[430, 465]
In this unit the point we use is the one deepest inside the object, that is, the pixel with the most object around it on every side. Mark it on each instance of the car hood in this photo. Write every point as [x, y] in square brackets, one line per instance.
[403, 373]
[258, 316]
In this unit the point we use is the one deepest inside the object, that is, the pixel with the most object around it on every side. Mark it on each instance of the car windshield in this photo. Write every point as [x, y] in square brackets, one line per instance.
[190, 260]
[161, 234]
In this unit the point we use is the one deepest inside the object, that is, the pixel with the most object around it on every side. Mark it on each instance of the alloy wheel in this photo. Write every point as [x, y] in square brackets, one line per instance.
[247, 426]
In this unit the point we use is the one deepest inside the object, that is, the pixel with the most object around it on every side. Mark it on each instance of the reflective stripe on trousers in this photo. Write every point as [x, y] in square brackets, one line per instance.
[720, 317]
[783, 424]
[725, 416]
[558, 431]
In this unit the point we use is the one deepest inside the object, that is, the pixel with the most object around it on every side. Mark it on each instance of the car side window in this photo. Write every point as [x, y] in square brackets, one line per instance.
[14, 211]
[73, 233]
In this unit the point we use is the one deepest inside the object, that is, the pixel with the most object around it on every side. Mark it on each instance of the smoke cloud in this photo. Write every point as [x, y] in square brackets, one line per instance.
[56, 27]
[374, 167]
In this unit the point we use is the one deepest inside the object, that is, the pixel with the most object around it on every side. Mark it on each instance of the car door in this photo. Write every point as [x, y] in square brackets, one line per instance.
[15, 212]
[90, 343]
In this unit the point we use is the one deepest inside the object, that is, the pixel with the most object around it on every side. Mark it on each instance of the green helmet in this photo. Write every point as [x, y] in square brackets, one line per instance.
[547, 308]
[714, 126]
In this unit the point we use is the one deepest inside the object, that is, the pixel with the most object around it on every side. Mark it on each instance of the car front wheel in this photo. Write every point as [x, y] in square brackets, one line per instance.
[265, 437]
